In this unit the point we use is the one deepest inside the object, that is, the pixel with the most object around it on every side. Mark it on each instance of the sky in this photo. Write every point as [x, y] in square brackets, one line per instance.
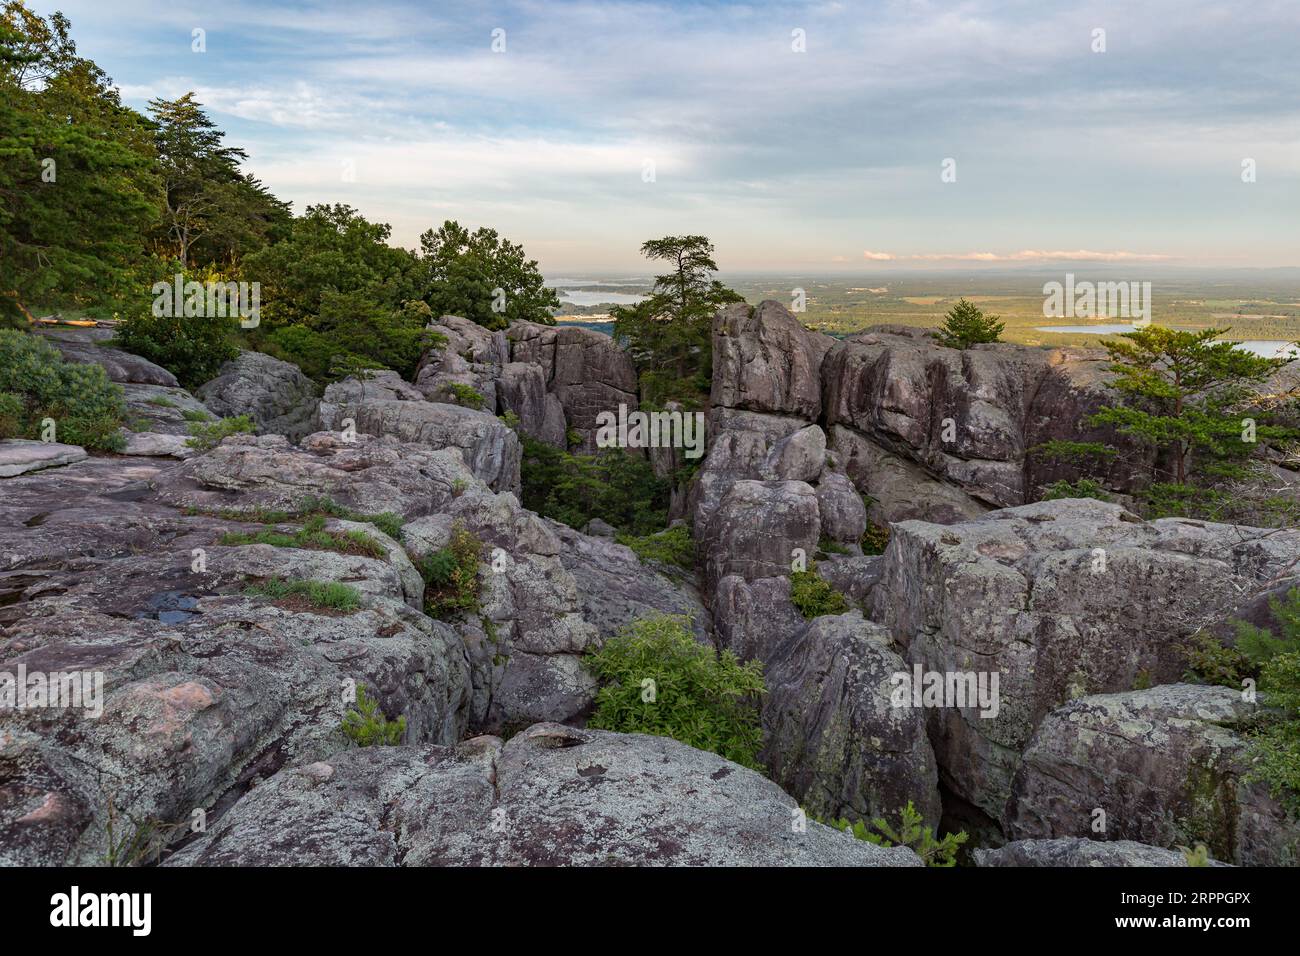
[797, 136]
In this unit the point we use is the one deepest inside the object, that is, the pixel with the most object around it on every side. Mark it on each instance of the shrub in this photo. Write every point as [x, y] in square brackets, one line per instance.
[657, 679]
[367, 726]
[813, 596]
[1275, 747]
[876, 539]
[465, 395]
[451, 575]
[910, 833]
[966, 325]
[1083, 488]
[193, 348]
[672, 547]
[86, 407]
[206, 436]
[323, 594]
[313, 537]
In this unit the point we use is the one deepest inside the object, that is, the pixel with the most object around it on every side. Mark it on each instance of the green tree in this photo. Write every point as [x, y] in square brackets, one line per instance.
[669, 334]
[78, 187]
[1187, 394]
[209, 204]
[482, 277]
[966, 325]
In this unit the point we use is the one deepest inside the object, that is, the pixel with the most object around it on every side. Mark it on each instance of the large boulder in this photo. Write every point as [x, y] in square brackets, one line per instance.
[490, 449]
[276, 395]
[522, 390]
[585, 370]
[1167, 766]
[162, 410]
[19, 456]
[91, 347]
[833, 735]
[764, 360]
[753, 618]
[758, 528]
[472, 356]
[1058, 599]
[550, 796]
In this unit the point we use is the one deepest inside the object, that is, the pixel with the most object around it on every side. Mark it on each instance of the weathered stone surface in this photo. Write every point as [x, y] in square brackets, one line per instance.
[567, 798]
[797, 457]
[163, 409]
[854, 576]
[833, 737]
[971, 416]
[490, 449]
[18, 455]
[274, 394]
[753, 618]
[843, 515]
[1166, 765]
[1075, 851]
[615, 588]
[1061, 599]
[90, 347]
[522, 390]
[369, 475]
[764, 360]
[586, 371]
[156, 444]
[757, 528]
[900, 490]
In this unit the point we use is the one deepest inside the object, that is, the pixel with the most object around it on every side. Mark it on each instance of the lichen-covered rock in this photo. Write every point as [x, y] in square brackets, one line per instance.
[19, 456]
[1061, 599]
[840, 507]
[551, 796]
[753, 618]
[275, 394]
[757, 529]
[764, 360]
[833, 736]
[1166, 766]
[368, 474]
[490, 449]
[797, 457]
[163, 410]
[1076, 851]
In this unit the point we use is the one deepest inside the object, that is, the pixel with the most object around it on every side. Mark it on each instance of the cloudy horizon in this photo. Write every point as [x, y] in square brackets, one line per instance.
[594, 126]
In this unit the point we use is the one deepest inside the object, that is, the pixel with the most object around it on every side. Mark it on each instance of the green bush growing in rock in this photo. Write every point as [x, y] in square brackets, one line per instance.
[193, 348]
[87, 408]
[911, 832]
[465, 395]
[813, 595]
[451, 575]
[330, 595]
[674, 547]
[205, 436]
[389, 522]
[875, 539]
[367, 726]
[658, 679]
[311, 536]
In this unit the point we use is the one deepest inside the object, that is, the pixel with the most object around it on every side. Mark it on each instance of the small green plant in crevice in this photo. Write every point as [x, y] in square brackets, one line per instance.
[1196, 856]
[367, 726]
[674, 547]
[389, 522]
[128, 843]
[814, 596]
[205, 436]
[829, 546]
[451, 575]
[162, 401]
[911, 832]
[875, 539]
[332, 595]
[311, 536]
[197, 415]
[1211, 662]
[1083, 488]
[656, 678]
[465, 395]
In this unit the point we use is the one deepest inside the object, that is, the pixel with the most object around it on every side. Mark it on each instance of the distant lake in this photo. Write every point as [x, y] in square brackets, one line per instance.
[1263, 347]
[575, 297]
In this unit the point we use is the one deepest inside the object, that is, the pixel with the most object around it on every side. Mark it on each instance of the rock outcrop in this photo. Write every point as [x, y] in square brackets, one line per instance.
[551, 796]
[1060, 599]
[276, 395]
[1075, 851]
[1165, 766]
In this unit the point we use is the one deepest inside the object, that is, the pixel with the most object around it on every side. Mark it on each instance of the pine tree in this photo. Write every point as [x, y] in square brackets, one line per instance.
[966, 325]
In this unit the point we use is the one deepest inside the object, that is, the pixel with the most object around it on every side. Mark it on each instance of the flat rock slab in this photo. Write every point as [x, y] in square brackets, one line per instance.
[18, 456]
[157, 445]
